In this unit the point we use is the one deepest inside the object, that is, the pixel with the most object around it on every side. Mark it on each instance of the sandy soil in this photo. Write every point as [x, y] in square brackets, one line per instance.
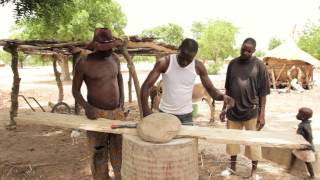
[41, 152]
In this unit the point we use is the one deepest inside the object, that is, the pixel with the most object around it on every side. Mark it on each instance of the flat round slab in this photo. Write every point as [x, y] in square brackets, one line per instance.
[158, 127]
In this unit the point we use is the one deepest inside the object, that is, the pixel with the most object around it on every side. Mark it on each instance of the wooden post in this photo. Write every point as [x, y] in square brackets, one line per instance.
[130, 88]
[12, 48]
[133, 73]
[63, 62]
[58, 80]
[75, 57]
[273, 79]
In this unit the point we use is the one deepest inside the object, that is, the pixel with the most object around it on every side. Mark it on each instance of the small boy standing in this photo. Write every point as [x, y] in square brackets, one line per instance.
[307, 155]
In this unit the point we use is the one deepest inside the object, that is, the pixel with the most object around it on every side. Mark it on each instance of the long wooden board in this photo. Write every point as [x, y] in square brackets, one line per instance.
[213, 135]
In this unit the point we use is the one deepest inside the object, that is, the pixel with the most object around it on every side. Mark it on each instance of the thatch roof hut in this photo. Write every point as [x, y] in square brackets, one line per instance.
[287, 62]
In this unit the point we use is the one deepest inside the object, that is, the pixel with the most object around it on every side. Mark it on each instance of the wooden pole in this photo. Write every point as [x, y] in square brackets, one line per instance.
[75, 57]
[58, 80]
[130, 88]
[133, 73]
[12, 48]
[273, 79]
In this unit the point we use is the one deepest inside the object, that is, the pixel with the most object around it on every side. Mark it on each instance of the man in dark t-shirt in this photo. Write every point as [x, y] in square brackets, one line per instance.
[248, 83]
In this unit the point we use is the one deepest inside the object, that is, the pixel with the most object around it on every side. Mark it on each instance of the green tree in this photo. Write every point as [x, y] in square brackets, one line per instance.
[259, 53]
[170, 33]
[28, 8]
[274, 42]
[217, 40]
[197, 29]
[76, 20]
[310, 39]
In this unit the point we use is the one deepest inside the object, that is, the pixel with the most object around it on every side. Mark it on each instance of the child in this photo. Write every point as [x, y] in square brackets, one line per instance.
[307, 155]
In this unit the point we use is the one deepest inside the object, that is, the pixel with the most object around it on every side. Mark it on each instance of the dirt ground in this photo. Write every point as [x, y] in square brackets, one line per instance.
[42, 152]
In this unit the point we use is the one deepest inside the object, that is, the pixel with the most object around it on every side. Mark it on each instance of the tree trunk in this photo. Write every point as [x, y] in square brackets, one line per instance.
[63, 63]
[75, 58]
[15, 86]
[58, 80]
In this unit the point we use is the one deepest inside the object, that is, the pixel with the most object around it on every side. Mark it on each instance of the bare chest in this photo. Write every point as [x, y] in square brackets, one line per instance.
[107, 68]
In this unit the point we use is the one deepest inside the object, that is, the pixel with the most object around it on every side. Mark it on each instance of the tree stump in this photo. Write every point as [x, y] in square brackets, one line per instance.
[142, 160]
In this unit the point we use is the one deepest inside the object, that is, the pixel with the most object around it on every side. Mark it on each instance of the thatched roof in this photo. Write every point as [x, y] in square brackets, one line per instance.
[290, 51]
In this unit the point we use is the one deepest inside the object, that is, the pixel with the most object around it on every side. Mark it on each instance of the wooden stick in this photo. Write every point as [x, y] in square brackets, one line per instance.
[273, 79]
[130, 88]
[150, 45]
[133, 73]
[58, 80]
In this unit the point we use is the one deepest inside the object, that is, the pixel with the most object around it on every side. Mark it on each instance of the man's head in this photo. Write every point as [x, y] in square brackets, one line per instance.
[188, 50]
[247, 49]
[304, 114]
[101, 35]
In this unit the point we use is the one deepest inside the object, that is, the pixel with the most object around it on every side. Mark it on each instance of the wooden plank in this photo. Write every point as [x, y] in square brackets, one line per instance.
[232, 136]
[213, 135]
[72, 121]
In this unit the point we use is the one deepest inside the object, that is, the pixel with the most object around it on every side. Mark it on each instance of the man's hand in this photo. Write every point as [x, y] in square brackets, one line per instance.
[228, 101]
[260, 123]
[117, 42]
[146, 113]
[121, 105]
[222, 116]
[91, 112]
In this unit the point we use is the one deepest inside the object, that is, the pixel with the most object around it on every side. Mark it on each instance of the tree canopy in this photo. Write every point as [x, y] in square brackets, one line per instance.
[170, 33]
[197, 29]
[75, 20]
[216, 39]
[27, 8]
[310, 39]
[274, 42]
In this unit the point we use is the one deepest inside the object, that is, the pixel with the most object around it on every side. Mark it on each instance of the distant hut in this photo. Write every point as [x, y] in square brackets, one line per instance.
[287, 62]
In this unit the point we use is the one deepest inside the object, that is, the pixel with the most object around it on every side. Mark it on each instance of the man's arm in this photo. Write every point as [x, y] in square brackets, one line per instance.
[261, 115]
[206, 82]
[158, 68]
[263, 91]
[77, 83]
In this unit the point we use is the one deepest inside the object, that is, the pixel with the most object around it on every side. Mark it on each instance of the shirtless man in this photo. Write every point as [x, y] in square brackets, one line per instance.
[100, 71]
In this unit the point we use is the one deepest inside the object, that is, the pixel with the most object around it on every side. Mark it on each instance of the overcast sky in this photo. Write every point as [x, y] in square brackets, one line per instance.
[261, 19]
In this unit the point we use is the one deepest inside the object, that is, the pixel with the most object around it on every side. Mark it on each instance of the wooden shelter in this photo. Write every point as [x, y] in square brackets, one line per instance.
[287, 62]
[132, 46]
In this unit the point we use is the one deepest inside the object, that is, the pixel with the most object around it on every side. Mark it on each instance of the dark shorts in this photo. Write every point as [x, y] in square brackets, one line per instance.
[185, 119]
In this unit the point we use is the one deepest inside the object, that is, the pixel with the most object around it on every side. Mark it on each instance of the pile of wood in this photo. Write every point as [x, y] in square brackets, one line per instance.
[135, 45]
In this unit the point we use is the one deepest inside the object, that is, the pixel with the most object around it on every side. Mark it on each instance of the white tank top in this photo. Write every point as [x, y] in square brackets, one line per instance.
[177, 87]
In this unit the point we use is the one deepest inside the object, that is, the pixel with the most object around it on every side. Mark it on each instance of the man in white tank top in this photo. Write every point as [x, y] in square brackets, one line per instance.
[178, 75]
